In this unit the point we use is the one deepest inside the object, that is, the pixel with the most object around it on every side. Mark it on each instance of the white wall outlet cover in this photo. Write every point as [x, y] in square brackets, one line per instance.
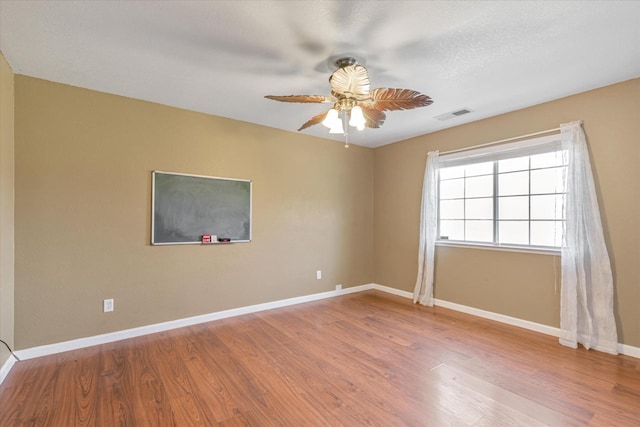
[319, 274]
[107, 305]
[338, 287]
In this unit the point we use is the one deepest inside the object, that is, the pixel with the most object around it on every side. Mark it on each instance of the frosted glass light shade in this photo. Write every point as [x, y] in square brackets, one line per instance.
[357, 118]
[331, 119]
[337, 127]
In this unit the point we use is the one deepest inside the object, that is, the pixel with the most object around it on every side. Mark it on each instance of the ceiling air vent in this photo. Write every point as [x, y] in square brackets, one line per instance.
[452, 114]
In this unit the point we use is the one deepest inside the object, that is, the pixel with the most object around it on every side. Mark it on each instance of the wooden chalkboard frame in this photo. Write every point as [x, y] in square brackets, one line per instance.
[183, 184]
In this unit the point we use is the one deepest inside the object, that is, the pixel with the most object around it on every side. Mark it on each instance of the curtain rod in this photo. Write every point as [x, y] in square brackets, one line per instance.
[501, 141]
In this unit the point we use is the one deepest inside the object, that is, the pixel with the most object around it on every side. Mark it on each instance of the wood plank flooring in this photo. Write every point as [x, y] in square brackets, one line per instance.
[361, 359]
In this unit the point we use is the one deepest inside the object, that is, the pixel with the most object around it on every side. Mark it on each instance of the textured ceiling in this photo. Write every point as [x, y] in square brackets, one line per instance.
[222, 57]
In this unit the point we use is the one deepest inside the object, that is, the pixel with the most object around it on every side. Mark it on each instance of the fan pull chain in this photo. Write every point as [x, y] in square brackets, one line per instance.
[345, 126]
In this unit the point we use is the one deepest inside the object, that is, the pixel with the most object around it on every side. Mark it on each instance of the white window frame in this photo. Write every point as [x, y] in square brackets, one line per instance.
[528, 147]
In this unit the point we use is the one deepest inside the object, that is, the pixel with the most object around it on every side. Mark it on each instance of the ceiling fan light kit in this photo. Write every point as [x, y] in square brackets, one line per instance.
[357, 119]
[354, 103]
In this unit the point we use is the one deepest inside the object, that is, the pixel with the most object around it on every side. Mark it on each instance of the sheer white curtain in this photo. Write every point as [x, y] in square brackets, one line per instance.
[423, 291]
[587, 283]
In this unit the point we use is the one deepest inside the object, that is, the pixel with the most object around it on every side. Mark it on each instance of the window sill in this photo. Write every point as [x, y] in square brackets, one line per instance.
[504, 248]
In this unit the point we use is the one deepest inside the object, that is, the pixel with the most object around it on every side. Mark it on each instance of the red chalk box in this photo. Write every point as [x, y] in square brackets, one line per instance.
[206, 238]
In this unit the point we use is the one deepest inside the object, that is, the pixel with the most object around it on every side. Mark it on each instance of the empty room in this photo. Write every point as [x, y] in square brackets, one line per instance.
[345, 213]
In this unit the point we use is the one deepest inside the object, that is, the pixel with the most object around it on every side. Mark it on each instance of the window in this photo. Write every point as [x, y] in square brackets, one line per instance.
[512, 195]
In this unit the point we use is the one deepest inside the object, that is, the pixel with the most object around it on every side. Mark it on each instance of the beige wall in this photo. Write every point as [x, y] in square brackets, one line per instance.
[6, 207]
[520, 285]
[83, 174]
[83, 186]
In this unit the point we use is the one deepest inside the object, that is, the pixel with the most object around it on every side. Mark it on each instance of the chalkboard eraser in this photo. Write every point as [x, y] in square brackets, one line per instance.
[224, 239]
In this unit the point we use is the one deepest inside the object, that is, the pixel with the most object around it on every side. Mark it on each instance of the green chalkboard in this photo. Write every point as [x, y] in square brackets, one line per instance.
[187, 206]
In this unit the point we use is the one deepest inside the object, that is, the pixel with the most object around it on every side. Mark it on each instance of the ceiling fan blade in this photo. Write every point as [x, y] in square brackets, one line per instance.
[314, 120]
[373, 118]
[350, 80]
[302, 98]
[397, 99]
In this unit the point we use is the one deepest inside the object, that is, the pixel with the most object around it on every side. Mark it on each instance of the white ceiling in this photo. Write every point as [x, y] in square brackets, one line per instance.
[222, 57]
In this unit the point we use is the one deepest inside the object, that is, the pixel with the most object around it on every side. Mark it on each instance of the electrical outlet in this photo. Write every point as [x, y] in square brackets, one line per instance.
[319, 274]
[338, 287]
[107, 305]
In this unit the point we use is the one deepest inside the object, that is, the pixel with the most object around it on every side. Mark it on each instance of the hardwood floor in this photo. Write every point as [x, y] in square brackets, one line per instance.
[360, 359]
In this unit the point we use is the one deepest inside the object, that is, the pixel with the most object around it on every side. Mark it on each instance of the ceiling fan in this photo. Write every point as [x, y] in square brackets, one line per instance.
[354, 102]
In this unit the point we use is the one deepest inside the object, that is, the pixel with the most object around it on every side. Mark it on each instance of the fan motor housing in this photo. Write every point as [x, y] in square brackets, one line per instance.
[345, 62]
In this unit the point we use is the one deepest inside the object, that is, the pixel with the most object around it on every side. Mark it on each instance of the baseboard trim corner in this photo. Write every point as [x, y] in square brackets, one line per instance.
[6, 367]
[390, 290]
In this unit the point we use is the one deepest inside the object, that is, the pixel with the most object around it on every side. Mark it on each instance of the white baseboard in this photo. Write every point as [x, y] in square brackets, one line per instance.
[514, 321]
[75, 344]
[629, 350]
[625, 349]
[45, 350]
[532, 326]
[390, 290]
[6, 367]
